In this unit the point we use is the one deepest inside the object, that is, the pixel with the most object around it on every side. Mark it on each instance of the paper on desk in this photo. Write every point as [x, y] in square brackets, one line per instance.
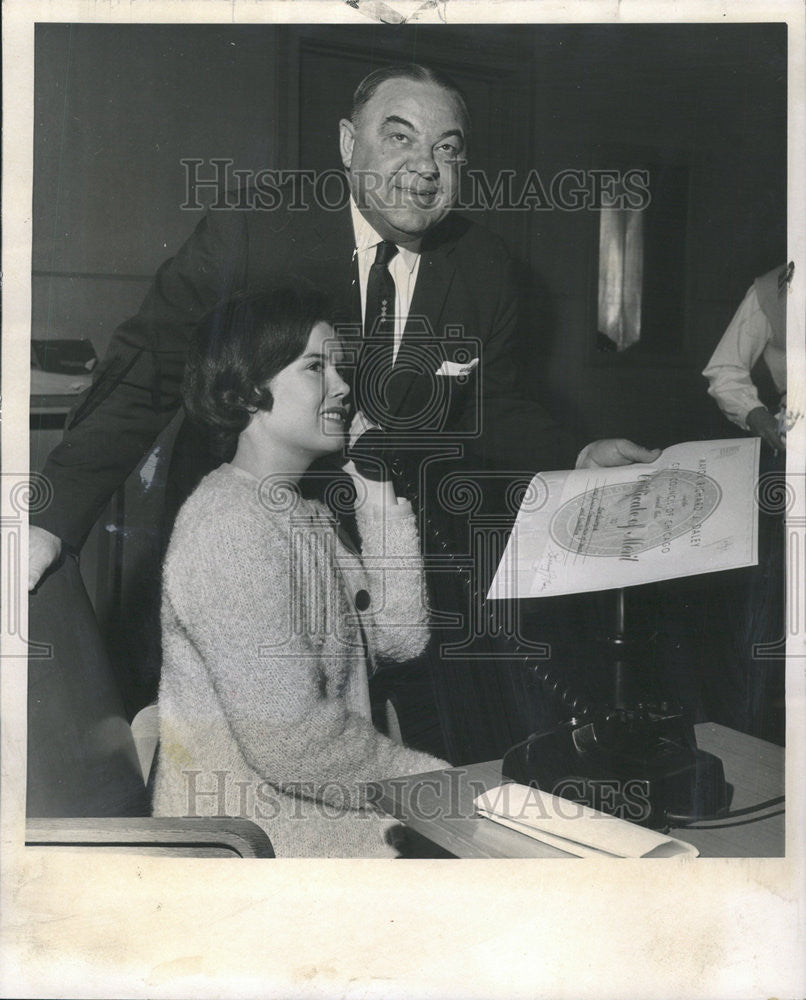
[571, 827]
[691, 511]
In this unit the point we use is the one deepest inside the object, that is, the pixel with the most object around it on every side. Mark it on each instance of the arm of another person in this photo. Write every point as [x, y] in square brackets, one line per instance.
[136, 388]
[230, 592]
[728, 372]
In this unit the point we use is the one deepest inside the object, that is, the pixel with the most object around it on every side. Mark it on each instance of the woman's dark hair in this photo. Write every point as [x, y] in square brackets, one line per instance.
[238, 348]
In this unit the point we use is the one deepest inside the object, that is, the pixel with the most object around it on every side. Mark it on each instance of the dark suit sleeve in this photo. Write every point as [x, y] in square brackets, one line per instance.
[137, 387]
[516, 433]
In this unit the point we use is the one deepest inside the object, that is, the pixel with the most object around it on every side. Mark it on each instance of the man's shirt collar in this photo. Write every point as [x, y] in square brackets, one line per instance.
[366, 238]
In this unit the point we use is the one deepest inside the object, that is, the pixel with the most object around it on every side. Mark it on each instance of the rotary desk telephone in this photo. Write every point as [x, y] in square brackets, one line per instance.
[629, 756]
[633, 758]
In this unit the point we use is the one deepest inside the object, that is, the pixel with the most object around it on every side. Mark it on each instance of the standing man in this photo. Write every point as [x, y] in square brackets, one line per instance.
[756, 334]
[396, 250]
[747, 378]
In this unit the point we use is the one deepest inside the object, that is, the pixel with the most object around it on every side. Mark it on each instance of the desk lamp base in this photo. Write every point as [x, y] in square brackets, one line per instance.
[641, 765]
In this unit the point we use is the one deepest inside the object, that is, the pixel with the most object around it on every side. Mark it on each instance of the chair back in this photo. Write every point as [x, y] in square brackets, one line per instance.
[82, 758]
[87, 767]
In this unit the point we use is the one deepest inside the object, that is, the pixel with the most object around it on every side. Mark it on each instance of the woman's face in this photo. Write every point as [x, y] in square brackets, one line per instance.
[310, 414]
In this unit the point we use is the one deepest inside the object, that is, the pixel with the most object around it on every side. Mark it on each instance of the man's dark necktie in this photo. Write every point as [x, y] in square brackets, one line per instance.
[377, 355]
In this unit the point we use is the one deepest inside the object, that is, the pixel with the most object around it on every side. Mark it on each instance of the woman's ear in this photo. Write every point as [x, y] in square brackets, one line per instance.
[260, 399]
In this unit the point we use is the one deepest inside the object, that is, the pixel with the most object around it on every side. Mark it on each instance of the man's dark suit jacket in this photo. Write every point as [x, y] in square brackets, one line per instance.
[464, 307]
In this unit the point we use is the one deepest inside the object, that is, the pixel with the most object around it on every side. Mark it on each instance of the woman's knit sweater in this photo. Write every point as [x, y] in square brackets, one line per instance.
[264, 707]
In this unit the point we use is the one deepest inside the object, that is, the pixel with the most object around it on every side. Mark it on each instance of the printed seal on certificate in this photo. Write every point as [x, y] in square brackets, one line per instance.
[636, 516]
[693, 510]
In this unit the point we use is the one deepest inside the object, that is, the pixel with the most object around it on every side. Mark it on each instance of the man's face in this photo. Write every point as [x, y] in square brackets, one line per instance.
[403, 156]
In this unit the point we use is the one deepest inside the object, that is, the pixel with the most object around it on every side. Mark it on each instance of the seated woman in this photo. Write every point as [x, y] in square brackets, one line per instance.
[270, 619]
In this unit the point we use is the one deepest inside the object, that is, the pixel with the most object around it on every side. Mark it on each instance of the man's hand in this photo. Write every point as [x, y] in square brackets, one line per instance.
[764, 425]
[43, 550]
[610, 452]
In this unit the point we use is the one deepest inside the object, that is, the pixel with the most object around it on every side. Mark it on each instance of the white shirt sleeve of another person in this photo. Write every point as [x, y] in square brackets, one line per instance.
[728, 371]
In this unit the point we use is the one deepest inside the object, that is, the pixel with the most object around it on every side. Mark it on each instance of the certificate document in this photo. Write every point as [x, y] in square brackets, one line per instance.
[693, 510]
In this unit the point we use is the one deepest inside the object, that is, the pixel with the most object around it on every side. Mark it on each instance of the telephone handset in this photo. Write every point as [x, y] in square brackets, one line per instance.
[373, 455]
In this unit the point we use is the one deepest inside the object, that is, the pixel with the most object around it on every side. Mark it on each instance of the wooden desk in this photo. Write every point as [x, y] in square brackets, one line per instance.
[439, 805]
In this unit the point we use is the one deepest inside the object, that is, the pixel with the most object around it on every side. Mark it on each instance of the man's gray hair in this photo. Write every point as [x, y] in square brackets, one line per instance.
[407, 71]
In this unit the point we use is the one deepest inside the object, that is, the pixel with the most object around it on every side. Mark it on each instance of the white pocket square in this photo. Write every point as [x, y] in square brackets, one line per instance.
[454, 368]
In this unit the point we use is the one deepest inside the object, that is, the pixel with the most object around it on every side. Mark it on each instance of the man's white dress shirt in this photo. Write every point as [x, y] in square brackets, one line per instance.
[403, 268]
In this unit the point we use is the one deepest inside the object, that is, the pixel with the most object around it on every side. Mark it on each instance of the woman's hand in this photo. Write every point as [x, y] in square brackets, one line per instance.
[360, 425]
[367, 449]
[366, 466]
